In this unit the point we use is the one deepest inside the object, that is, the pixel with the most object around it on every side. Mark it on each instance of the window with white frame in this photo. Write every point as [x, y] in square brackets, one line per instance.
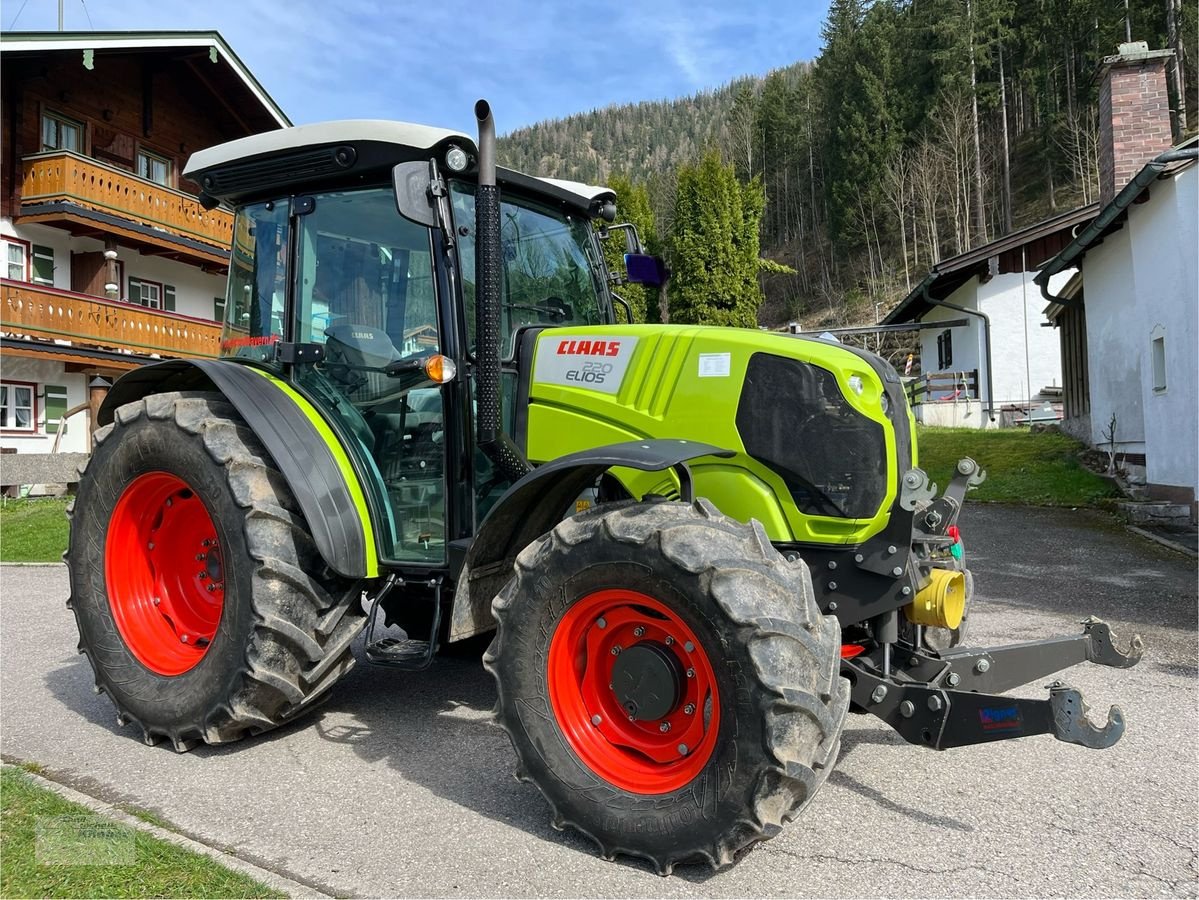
[1158, 349]
[151, 294]
[18, 411]
[147, 293]
[61, 133]
[153, 167]
[15, 256]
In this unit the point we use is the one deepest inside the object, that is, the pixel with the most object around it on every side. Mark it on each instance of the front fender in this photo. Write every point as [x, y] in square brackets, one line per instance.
[298, 439]
[537, 502]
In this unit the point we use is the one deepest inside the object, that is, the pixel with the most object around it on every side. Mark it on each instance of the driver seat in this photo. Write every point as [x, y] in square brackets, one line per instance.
[349, 351]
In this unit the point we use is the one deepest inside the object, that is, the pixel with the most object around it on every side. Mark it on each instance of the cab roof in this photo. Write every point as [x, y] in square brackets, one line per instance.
[238, 170]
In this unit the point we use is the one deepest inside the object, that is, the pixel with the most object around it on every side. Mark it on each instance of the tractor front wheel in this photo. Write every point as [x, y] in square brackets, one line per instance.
[202, 603]
[667, 681]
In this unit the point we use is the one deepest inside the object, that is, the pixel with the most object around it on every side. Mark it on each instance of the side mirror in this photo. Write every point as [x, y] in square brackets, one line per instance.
[411, 183]
[642, 268]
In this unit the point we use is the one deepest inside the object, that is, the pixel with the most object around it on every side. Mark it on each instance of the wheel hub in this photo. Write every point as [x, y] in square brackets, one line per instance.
[164, 573]
[648, 681]
[633, 691]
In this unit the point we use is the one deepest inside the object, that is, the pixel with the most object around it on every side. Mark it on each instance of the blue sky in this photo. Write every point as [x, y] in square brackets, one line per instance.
[429, 61]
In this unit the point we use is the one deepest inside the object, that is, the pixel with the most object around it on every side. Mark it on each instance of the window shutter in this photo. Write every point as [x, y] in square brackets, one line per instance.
[43, 265]
[56, 407]
[168, 297]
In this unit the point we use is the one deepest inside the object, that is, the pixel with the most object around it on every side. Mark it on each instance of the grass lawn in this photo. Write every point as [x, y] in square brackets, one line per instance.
[33, 530]
[1035, 469]
[37, 823]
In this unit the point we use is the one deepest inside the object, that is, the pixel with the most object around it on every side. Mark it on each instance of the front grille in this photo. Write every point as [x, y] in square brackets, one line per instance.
[794, 418]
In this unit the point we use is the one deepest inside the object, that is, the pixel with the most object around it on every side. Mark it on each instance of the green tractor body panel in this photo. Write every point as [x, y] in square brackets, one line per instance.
[609, 384]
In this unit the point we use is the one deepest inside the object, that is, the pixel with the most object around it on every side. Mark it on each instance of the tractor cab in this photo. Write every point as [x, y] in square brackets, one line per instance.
[374, 288]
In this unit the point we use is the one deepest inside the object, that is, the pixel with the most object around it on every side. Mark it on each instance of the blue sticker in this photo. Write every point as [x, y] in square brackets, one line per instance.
[1001, 718]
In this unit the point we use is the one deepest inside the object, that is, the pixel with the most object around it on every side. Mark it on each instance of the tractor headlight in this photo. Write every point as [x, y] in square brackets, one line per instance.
[456, 159]
[885, 402]
[855, 384]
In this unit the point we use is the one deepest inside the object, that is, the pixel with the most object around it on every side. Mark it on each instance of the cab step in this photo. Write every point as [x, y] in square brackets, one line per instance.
[408, 653]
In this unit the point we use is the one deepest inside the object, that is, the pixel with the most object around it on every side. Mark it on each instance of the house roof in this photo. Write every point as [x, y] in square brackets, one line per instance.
[230, 79]
[1109, 218]
[950, 274]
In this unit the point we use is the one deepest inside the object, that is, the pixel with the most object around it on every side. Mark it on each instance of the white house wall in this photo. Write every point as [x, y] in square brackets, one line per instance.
[1165, 252]
[967, 339]
[1113, 355]
[1027, 356]
[1014, 305]
[41, 372]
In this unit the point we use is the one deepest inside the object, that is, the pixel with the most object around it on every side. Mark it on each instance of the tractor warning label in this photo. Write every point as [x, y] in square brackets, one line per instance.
[595, 363]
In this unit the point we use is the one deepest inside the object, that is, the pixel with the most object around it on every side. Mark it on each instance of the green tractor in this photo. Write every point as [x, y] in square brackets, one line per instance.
[697, 548]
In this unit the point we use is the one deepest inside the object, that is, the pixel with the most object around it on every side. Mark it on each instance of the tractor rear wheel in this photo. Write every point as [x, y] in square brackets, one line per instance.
[667, 681]
[201, 601]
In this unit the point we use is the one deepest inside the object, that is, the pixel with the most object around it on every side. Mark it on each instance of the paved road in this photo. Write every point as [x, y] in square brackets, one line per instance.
[399, 786]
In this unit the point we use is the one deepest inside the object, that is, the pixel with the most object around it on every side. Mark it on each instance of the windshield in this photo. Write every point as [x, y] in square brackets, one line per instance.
[551, 275]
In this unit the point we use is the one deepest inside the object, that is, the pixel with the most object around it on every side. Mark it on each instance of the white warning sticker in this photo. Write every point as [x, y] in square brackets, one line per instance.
[714, 365]
[596, 363]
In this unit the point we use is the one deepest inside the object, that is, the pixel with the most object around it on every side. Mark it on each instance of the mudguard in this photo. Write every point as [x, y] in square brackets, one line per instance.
[537, 502]
[299, 441]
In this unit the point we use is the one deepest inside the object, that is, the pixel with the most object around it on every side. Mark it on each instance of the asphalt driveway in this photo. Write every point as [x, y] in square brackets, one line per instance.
[400, 786]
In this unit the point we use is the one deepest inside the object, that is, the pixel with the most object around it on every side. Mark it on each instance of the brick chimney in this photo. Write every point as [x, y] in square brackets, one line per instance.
[1134, 114]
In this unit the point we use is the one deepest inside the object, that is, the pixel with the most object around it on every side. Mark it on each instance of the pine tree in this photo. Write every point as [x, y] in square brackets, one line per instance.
[715, 246]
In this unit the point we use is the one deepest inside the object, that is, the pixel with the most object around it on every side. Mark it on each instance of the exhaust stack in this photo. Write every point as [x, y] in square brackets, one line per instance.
[488, 286]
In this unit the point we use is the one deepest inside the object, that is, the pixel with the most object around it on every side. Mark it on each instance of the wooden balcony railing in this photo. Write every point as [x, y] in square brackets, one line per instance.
[35, 311]
[63, 176]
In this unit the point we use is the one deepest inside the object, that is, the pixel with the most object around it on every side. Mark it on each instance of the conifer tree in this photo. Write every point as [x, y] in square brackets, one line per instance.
[715, 246]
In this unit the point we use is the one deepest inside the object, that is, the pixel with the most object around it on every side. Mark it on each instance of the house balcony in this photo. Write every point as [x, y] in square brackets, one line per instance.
[92, 199]
[68, 321]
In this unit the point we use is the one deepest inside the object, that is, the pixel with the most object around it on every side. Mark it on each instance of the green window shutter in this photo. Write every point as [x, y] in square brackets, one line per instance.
[168, 297]
[218, 309]
[43, 265]
[56, 407]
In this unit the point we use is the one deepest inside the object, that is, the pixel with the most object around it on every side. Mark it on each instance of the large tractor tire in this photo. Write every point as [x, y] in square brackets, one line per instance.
[202, 603]
[667, 681]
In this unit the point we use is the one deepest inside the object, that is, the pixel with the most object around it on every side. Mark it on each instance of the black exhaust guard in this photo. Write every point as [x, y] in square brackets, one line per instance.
[489, 415]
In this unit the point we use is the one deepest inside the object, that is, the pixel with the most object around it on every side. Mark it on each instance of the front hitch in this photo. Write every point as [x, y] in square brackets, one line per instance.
[954, 700]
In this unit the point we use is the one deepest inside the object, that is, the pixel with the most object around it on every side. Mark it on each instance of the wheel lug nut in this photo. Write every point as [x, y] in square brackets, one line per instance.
[595, 720]
[638, 631]
[691, 673]
[150, 545]
[689, 647]
[682, 750]
[212, 586]
[689, 709]
[664, 727]
[202, 575]
[200, 557]
[156, 601]
[669, 640]
[183, 638]
[616, 650]
[601, 623]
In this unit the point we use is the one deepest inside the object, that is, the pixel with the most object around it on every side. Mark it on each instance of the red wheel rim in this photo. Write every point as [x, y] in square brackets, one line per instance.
[637, 755]
[164, 572]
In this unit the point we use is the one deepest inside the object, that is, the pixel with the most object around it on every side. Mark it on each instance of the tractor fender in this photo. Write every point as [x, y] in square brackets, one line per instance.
[315, 465]
[538, 502]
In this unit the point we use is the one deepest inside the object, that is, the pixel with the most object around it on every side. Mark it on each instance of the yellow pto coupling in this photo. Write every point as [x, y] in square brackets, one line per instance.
[941, 602]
